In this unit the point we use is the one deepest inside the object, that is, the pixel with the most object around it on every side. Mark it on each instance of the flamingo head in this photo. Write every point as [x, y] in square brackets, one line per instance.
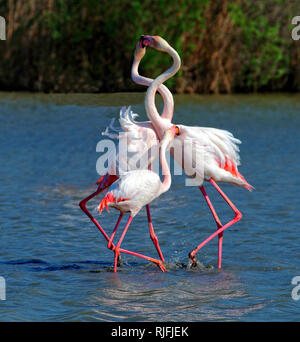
[170, 134]
[175, 130]
[155, 42]
[140, 51]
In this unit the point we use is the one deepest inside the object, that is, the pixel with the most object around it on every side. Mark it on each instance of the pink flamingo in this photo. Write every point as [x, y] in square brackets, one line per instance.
[135, 189]
[144, 137]
[216, 148]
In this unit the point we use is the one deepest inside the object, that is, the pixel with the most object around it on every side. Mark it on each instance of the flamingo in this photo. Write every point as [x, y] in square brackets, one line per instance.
[141, 137]
[216, 148]
[135, 189]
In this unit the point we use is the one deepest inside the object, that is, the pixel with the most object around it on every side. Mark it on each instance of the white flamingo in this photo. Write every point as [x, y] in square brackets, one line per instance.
[135, 189]
[140, 137]
[216, 149]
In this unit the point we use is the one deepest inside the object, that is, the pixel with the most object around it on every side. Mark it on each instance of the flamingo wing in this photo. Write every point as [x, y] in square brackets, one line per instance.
[137, 138]
[218, 151]
[132, 191]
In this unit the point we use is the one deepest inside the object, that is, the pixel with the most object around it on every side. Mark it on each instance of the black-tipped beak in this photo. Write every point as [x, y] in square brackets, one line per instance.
[142, 41]
[145, 41]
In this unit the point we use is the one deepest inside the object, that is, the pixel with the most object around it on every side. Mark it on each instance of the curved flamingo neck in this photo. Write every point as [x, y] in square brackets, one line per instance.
[159, 123]
[165, 186]
[167, 96]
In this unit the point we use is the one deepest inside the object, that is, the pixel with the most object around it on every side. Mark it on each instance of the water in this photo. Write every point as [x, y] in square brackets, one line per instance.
[55, 262]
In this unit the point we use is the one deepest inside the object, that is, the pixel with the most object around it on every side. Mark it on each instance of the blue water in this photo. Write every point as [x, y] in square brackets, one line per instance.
[55, 261]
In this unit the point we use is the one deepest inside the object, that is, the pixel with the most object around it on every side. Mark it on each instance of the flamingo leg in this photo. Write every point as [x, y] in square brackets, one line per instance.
[117, 249]
[221, 228]
[110, 244]
[82, 206]
[151, 229]
[218, 222]
[159, 263]
[152, 234]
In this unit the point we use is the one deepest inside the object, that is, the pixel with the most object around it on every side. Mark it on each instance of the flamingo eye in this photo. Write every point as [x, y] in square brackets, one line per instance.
[177, 130]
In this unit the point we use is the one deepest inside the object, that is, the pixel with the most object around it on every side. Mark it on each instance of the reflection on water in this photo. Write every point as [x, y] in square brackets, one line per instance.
[55, 261]
[178, 299]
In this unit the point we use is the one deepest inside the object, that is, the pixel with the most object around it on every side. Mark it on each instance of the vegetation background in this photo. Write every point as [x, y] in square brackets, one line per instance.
[87, 46]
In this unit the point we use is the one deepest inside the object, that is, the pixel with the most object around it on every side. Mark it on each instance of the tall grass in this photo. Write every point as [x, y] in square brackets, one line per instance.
[87, 46]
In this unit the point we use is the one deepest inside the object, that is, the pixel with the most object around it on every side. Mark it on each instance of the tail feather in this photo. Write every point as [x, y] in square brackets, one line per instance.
[231, 167]
[108, 198]
[246, 185]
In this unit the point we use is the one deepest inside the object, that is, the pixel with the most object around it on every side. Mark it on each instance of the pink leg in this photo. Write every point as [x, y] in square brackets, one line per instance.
[159, 263]
[219, 224]
[117, 249]
[221, 228]
[152, 234]
[151, 229]
[110, 244]
[82, 205]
